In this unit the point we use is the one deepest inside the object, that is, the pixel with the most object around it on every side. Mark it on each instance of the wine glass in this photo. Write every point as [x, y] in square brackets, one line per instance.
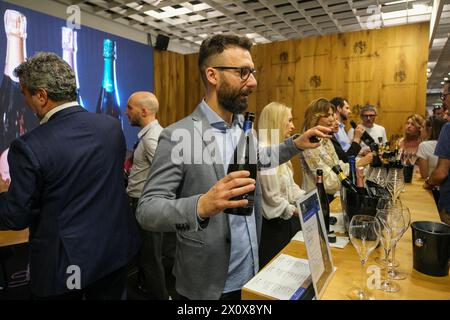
[392, 225]
[395, 182]
[378, 175]
[388, 204]
[364, 233]
[394, 273]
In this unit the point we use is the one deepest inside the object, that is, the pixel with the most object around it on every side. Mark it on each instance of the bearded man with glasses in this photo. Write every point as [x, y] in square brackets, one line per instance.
[217, 253]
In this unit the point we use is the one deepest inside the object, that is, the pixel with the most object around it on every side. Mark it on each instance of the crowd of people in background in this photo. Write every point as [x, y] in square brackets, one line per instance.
[68, 187]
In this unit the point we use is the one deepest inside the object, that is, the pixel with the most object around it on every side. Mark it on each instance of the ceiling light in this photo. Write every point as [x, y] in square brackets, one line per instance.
[445, 79]
[394, 2]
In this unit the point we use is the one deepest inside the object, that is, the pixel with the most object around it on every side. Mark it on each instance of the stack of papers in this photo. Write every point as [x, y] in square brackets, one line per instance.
[285, 278]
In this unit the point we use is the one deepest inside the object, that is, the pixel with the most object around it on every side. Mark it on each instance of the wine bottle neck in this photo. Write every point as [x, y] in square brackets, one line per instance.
[342, 176]
[15, 55]
[109, 81]
[70, 56]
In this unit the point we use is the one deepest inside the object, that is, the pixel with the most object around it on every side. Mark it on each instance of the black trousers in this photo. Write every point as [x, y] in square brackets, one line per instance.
[275, 235]
[151, 273]
[110, 287]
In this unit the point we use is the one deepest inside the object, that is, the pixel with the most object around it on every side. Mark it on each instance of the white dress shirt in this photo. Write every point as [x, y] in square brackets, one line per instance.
[143, 158]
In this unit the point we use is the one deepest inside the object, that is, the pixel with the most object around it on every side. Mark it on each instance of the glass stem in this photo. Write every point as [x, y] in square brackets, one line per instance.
[387, 252]
[393, 257]
[363, 277]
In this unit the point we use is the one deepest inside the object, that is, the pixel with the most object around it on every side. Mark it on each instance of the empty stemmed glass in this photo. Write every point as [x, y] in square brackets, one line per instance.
[392, 225]
[378, 175]
[393, 272]
[364, 233]
[395, 181]
[388, 204]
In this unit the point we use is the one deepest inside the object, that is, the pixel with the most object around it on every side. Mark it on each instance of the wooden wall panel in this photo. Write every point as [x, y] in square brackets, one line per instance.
[385, 67]
[170, 85]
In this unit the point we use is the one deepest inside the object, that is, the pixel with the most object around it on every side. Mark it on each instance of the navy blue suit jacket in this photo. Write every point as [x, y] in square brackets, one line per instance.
[67, 187]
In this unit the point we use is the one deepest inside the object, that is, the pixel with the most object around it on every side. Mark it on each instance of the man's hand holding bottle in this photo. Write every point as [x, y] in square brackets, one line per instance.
[238, 183]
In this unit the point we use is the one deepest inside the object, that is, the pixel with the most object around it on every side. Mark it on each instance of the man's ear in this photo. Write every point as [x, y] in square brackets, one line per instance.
[42, 96]
[211, 75]
[144, 111]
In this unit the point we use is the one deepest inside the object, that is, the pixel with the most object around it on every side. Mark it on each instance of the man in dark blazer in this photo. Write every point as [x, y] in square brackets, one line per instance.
[67, 187]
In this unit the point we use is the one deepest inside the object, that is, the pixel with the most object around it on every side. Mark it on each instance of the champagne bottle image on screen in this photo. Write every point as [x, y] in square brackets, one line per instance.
[366, 138]
[109, 102]
[324, 204]
[245, 158]
[70, 49]
[345, 181]
[15, 117]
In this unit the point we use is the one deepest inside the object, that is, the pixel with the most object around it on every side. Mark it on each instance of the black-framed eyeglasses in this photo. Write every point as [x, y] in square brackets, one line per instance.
[368, 115]
[244, 72]
[443, 95]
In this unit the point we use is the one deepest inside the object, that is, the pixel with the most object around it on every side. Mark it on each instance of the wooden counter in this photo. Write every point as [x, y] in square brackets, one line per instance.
[348, 273]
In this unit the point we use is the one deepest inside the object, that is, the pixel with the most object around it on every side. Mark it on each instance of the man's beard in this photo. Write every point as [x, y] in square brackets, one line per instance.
[343, 117]
[135, 122]
[234, 101]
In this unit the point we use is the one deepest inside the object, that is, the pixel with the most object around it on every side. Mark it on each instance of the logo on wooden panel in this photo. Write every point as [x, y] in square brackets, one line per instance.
[315, 81]
[400, 76]
[360, 47]
[284, 56]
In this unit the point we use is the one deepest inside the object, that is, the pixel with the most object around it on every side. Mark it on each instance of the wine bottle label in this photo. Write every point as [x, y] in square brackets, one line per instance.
[342, 176]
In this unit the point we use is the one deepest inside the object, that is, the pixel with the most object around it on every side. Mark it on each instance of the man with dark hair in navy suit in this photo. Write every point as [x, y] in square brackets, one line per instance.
[67, 187]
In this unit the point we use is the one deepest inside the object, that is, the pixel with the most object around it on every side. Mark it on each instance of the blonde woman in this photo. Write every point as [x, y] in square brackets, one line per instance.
[279, 190]
[409, 144]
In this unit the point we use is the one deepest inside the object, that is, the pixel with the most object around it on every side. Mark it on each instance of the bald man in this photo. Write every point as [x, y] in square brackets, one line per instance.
[141, 112]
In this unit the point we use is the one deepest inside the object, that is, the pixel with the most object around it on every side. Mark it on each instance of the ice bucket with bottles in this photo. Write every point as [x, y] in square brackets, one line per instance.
[362, 203]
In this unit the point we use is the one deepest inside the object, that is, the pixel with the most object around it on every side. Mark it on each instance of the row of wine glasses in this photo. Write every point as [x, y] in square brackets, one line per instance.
[365, 232]
[392, 179]
[398, 209]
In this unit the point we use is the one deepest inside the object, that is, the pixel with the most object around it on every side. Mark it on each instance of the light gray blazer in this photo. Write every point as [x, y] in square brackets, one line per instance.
[169, 203]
